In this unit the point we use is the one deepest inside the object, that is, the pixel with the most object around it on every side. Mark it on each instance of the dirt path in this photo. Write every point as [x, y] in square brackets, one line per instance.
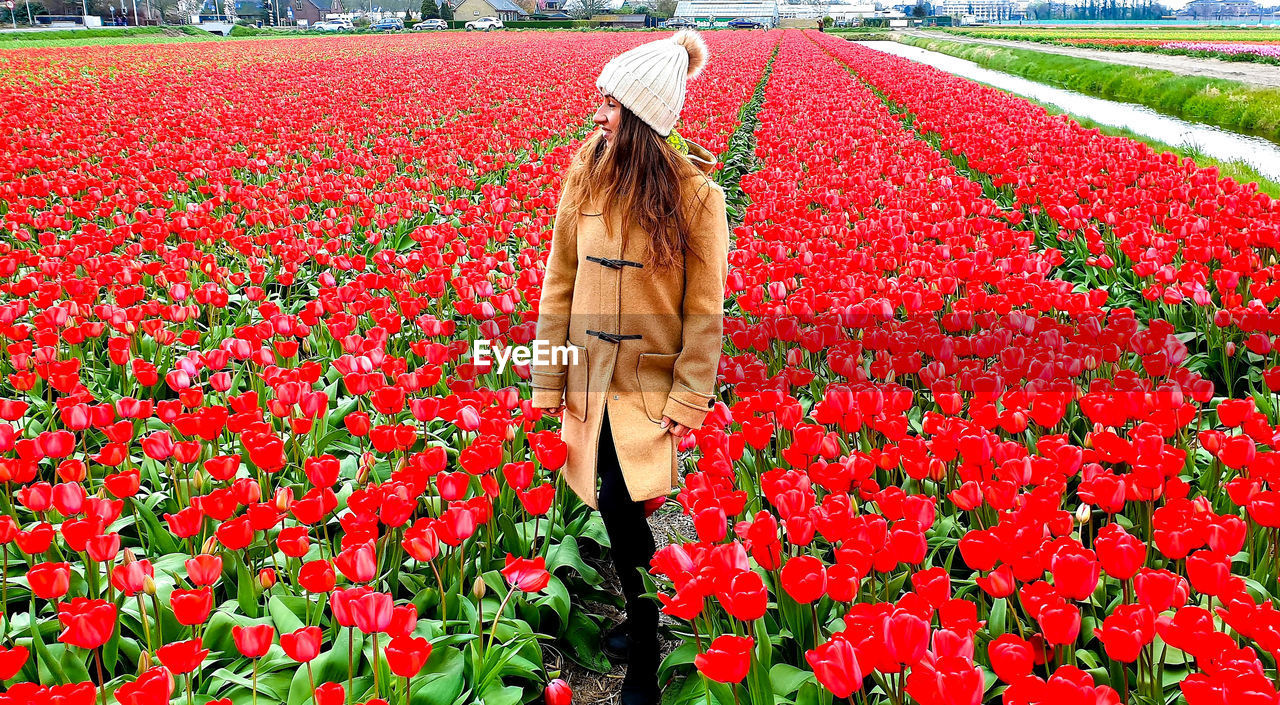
[1258, 74]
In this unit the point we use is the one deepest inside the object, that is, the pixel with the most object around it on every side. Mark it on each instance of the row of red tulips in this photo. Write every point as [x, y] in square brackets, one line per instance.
[1070, 509]
[240, 432]
[246, 417]
[1169, 239]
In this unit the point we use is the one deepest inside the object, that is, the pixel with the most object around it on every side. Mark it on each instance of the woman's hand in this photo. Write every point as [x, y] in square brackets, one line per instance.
[675, 429]
[552, 411]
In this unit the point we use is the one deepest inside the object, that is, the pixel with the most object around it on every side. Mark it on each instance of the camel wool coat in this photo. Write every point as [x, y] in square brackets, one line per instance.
[647, 340]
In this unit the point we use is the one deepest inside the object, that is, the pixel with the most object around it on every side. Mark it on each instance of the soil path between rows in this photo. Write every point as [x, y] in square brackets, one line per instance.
[1244, 72]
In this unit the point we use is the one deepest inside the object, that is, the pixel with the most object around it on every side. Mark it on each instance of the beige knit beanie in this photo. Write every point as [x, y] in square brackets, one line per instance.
[650, 79]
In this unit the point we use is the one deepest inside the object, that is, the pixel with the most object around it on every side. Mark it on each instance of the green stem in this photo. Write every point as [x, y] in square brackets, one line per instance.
[155, 601]
[377, 689]
[444, 598]
[311, 681]
[497, 617]
[102, 682]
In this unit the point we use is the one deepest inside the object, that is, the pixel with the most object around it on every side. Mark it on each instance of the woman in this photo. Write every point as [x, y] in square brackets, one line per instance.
[634, 285]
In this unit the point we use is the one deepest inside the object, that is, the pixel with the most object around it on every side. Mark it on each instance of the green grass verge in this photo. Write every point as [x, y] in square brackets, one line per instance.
[100, 33]
[105, 41]
[1170, 34]
[1100, 38]
[872, 34]
[105, 36]
[1228, 104]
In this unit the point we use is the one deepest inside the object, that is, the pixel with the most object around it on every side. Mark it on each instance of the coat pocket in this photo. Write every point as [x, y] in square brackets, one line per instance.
[575, 383]
[654, 374]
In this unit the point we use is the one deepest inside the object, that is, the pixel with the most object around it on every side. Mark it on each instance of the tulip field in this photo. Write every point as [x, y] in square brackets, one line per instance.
[1259, 44]
[997, 411]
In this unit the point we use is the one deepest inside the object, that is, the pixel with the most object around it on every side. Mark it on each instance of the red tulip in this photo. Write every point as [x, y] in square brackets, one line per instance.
[1059, 623]
[103, 548]
[1126, 630]
[557, 692]
[1120, 553]
[1160, 589]
[727, 659]
[745, 597]
[302, 645]
[131, 578]
[35, 540]
[342, 602]
[316, 576]
[1209, 572]
[804, 579]
[835, 664]
[404, 619]
[186, 523]
[525, 574]
[253, 641]
[12, 659]
[86, 623]
[551, 452]
[934, 585]
[406, 655]
[123, 484]
[153, 687]
[191, 607]
[49, 581]
[421, 542]
[357, 563]
[204, 569]
[999, 583]
[1075, 572]
[372, 612]
[330, 694]
[235, 534]
[906, 636]
[1011, 657]
[182, 656]
[293, 541]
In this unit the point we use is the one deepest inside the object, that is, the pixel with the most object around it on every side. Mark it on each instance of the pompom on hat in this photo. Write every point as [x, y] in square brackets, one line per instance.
[650, 79]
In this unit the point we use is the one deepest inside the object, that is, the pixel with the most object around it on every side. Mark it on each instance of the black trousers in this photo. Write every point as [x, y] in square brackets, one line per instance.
[632, 548]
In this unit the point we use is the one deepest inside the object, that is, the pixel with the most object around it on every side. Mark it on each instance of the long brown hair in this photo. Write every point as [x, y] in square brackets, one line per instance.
[642, 178]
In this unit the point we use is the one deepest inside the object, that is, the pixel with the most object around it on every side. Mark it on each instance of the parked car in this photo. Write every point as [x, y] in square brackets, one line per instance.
[679, 23]
[426, 25]
[334, 26]
[390, 24]
[484, 24]
[744, 23]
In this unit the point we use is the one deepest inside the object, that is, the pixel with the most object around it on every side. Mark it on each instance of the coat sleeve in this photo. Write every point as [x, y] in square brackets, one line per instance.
[554, 305]
[706, 272]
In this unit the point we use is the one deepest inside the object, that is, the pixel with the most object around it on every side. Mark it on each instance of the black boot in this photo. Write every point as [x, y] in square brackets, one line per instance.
[641, 695]
[640, 686]
[616, 643]
[632, 547]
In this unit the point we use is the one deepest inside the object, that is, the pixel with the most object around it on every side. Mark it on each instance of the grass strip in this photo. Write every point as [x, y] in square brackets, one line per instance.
[739, 157]
[1170, 34]
[875, 36]
[100, 33]
[1108, 42]
[1227, 104]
